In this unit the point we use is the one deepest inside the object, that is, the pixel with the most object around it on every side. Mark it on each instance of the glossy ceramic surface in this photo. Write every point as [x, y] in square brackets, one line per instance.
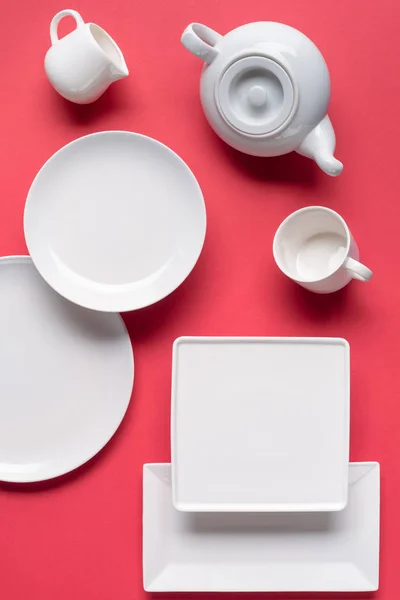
[314, 247]
[115, 221]
[260, 424]
[82, 65]
[66, 377]
[265, 90]
[298, 552]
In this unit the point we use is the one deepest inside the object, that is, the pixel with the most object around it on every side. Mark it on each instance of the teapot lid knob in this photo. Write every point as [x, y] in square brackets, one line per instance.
[256, 95]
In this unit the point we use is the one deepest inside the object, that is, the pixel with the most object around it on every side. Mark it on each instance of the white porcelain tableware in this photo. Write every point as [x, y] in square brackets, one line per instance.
[66, 377]
[115, 221]
[265, 90]
[84, 63]
[314, 247]
[260, 424]
[275, 552]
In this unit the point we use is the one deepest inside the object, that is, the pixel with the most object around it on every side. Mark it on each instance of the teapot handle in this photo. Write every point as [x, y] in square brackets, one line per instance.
[200, 40]
[68, 12]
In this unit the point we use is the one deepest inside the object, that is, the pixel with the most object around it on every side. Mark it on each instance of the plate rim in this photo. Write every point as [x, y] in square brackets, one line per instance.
[106, 133]
[26, 259]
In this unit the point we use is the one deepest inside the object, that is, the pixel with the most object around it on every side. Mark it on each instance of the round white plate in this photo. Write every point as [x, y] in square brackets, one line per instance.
[115, 221]
[66, 377]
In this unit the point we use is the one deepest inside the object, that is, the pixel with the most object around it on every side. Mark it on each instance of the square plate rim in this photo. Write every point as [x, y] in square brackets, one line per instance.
[248, 507]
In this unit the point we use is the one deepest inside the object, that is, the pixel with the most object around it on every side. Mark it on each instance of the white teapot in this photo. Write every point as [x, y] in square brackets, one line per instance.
[265, 90]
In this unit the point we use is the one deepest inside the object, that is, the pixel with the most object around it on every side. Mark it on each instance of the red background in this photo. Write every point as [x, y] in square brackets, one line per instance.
[79, 537]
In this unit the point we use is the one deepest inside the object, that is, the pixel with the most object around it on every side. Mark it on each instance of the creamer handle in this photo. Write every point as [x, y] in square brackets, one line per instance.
[68, 12]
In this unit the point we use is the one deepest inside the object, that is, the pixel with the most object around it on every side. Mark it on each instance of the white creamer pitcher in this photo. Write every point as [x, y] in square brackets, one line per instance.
[82, 65]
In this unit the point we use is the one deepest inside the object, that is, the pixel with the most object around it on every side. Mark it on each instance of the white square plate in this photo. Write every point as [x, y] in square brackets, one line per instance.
[260, 424]
[254, 552]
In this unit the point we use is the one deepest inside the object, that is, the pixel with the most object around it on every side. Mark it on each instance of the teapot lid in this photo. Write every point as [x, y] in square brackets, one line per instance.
[255, 95]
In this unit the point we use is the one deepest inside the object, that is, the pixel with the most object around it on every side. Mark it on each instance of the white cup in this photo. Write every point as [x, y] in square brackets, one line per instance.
[314, 247]
[82, 65]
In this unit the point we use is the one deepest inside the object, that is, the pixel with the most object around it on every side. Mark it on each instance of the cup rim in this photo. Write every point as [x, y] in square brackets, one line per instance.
[122, 64]
[294, 215]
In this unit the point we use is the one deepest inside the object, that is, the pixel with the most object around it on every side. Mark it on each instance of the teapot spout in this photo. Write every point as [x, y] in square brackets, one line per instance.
[320, 146]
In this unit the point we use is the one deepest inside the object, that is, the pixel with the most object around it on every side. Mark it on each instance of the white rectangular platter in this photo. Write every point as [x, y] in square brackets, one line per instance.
[281, 552]
[260, 424]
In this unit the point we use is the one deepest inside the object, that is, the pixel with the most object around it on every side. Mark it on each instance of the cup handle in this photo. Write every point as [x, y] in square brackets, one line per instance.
[68, 12]
[357, 270]
[200, 40]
